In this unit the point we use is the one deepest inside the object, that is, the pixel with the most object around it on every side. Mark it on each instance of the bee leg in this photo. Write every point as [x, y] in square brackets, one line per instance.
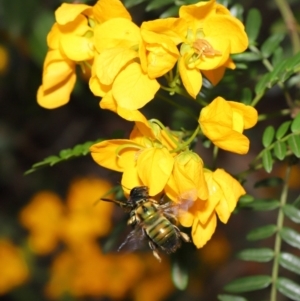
[132, 220]
[154, 250]
[183, 235]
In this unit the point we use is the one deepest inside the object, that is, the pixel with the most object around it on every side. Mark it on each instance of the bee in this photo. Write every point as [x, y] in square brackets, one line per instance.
[151, 221]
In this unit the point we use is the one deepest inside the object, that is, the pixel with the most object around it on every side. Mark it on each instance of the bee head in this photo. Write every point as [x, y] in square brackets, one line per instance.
[138, 193]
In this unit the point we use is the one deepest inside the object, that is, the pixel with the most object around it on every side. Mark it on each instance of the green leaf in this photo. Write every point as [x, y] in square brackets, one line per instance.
[231, 298]
[282, 129]
[290, 236]
[155, 4]
[293, 62]
[263, 205]
[269, 46]
[280, 149]
[247, 57]
[253, 24]
[170, 12]
[269, 182]
[257, 255]
[277, 56]
[268, 136]
[294, 144]
[263, 84]
[262, 232]
[295, 126]
[292, 212]
[288, 288]
[267, 161]
[247, 284]
[76, 151]
[130, 3]
[245, 199]
[290, 262]
[180, 276]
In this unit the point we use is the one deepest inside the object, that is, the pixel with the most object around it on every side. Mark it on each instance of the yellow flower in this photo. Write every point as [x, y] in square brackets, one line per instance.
[187, 182]
[224, 192]
[144, 159]
[223, 122]
[81, 220]
[71, 42]
[211, 35]
[87, 218]
[13, 269]
[42, 217]
[85, 271]
[116, 69]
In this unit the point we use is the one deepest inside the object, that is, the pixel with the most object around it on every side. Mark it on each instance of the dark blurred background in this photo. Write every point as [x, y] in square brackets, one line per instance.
[29, 133]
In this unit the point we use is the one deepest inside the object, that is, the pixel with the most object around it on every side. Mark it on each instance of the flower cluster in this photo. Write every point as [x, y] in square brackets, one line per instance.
[123, 59]
[126, 65]
[69, 233]
[154, 156]
[13, 269]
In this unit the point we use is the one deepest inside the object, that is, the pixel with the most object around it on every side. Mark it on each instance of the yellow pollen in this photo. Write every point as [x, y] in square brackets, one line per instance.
[202, 47]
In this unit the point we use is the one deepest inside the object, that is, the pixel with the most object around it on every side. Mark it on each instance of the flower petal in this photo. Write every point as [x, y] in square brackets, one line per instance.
[191, 78]
[116, 32]
[68, 12]
[132, 89]
[105, 154]
[110, 61]
[77, 48]
[107, 9]
[154, 168]
[58, 95]
[202, 233]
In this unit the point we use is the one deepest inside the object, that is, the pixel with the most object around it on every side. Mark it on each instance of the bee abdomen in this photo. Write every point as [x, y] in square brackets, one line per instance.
[164, 235]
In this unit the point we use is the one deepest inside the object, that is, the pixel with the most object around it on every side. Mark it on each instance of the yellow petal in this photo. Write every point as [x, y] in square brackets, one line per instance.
[162, 53]
[191, 78]
[107, 9]
[131, 179]
[171, 28]
[57, 69]
[154, 168]
[216, 121]
[249, 113]
[53, 37]
[116, 32]
[215, 75]
[195, 13]
[77, 48]
[110, 61]
[105, 154]
[68, 12]
[232, 189]
[202, 233]
[220, 44]
[128, 85]
[57, 95]
[224, 24]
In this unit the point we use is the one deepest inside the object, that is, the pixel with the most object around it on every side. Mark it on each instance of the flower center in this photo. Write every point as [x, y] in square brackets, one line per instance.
[204, 49]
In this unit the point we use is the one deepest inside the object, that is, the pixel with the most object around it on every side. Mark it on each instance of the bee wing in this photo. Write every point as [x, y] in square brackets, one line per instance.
[185, 201]
[135, 240]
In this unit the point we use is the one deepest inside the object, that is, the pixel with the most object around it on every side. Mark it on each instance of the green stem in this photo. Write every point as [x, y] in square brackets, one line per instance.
[283, 112]
[188, 142]
[277, 246]
[290, 22]
[215, 155]
[173, 103]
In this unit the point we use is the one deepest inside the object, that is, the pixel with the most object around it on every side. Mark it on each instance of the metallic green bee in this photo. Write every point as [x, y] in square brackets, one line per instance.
[151, 221]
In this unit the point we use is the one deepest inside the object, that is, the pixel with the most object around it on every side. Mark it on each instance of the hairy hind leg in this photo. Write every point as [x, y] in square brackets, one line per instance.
[154, 250]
